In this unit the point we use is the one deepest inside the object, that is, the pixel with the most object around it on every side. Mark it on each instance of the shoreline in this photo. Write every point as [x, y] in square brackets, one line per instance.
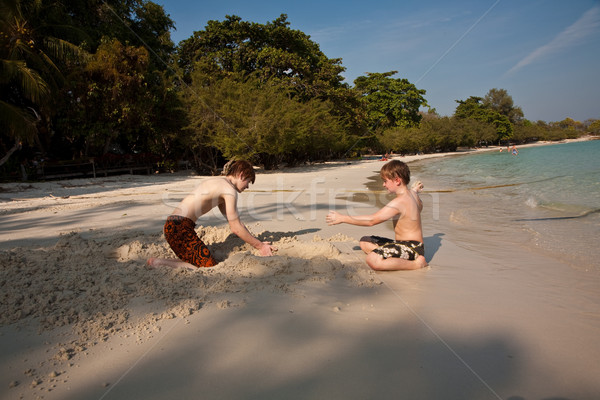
[73, 254]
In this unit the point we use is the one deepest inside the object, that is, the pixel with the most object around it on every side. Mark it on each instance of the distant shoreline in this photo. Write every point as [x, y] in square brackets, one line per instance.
[418, 157]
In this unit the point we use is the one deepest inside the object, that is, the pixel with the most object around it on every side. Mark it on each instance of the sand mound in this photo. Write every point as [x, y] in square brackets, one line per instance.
[101, 286]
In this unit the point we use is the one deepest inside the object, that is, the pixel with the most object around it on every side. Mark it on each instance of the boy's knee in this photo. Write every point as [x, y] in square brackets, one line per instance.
[366, 246]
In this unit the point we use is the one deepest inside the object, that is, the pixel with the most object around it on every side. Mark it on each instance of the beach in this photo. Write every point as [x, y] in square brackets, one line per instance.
[83, 317]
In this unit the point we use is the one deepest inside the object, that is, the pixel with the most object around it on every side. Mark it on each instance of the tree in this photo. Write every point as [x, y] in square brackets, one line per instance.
[570, 124]
[474, 109]
[30, 70]
[137, 34]
[271, 56]
[390, 102]
[153, 26]
[500, 101]
[594, 126]
[108, 100]
[245, 117]
[271, 50]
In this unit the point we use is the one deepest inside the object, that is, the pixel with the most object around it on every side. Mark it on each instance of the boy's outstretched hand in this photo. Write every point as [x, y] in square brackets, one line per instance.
[333, 218]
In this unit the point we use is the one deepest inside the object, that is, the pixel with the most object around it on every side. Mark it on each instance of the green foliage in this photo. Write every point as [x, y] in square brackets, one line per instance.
[474, 109]
[108, 100]
[80, 77]
[570, 124]
[530, 132]
[138, 22]
[268, 92]
[438, 135]
[500, 101]
[41, 42]
[152, 25]
[271, 50]
[261, 121]
[273, 53]
[29, 66]
[390, 102]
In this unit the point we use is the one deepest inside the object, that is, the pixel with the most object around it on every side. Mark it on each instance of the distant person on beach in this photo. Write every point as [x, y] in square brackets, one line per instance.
[407, 250]
[514, 150]
[221, 192]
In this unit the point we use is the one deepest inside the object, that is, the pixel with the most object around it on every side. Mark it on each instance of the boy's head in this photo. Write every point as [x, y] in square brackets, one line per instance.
[243, 168]
[396, 169]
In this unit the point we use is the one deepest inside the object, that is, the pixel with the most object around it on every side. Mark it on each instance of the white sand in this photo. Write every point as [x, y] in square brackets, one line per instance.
[84, 318]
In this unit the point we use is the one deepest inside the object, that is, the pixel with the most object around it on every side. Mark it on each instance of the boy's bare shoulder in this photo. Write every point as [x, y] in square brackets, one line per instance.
[403, 200]
[216, 185]
[397, 203]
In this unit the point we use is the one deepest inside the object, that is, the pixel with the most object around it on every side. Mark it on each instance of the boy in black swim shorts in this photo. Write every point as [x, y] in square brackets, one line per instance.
[407, 250]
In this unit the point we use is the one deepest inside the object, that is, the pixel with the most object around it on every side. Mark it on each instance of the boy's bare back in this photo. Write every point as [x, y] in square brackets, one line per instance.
[210, 193]
[407, 225]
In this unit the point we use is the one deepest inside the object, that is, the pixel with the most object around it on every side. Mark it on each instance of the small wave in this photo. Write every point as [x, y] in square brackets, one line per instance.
[531, 202]
[582, 215]
[473, 188]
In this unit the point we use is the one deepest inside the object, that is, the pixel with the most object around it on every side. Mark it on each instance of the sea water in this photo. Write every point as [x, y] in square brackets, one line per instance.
[548, 196]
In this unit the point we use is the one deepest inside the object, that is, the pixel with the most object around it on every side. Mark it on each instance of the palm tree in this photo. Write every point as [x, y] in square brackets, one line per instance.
[28, 70]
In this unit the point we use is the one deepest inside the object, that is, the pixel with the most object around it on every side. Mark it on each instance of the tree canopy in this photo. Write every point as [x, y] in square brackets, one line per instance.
[271, 51]
[390, 102]
[265, 91]
[474, 108]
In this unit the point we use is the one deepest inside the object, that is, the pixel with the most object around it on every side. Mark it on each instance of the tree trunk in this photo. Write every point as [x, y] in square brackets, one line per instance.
[16, 147]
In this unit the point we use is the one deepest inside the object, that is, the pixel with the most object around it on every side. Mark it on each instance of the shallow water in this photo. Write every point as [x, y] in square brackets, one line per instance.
[546, 198]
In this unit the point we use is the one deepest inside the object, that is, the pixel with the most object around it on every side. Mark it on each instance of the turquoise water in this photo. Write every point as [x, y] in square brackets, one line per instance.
[551, 192]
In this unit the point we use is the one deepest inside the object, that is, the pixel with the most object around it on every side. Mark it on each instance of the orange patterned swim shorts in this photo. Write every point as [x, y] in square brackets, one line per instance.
[181, 235]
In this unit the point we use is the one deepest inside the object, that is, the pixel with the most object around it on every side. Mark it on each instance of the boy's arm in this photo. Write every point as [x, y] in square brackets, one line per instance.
[229, 209]
[387, 212]
[417, 188]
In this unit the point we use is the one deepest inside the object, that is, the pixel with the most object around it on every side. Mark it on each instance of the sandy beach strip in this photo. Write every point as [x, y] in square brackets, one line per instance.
[84, 318]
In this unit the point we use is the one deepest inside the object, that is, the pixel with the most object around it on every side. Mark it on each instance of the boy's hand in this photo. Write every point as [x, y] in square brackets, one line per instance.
[266, 249]
[333, 218]
[417, 187]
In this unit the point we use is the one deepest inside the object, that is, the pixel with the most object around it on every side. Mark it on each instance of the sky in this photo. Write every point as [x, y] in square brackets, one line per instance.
[544, 53]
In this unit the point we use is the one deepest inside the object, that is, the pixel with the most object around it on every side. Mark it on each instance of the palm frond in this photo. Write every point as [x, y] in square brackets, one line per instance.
[19, 123]
[63, 50]
[33, 86]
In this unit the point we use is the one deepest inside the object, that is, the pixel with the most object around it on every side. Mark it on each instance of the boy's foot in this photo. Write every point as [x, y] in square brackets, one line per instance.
[421, 261]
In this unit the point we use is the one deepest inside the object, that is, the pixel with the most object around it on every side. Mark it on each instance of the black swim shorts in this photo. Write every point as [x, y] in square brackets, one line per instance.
[405, 249]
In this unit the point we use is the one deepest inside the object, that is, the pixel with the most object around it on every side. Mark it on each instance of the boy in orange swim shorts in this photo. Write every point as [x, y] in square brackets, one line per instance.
[219, 192]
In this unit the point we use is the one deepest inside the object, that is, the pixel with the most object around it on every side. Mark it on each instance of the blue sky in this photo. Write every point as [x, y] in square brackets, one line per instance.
[546, 54]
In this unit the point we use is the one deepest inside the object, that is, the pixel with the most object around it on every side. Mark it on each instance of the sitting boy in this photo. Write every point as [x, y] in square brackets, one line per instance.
[218, 191]
[406, 251]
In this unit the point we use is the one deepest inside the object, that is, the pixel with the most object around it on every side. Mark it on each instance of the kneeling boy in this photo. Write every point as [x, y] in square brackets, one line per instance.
[221, 192]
